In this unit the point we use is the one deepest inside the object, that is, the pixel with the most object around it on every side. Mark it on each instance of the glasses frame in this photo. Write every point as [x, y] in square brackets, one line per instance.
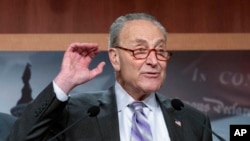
[149, 51]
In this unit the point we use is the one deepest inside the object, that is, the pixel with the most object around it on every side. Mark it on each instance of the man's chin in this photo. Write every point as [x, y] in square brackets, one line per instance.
[151, 88]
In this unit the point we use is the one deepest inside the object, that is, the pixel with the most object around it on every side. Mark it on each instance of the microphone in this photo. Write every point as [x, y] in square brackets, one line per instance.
[178, 105]
[92, 112]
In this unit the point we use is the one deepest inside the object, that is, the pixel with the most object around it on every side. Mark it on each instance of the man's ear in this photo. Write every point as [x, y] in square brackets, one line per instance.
[114, 58]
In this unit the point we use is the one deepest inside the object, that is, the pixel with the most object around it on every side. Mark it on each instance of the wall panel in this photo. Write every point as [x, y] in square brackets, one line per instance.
[176, 41]
[91, 16]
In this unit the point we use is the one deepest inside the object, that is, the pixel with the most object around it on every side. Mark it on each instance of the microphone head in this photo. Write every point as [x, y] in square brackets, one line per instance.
[177, 104]
[93, 111]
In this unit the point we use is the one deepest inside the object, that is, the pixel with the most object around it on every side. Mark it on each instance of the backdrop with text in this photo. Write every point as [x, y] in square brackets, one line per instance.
[215, 82]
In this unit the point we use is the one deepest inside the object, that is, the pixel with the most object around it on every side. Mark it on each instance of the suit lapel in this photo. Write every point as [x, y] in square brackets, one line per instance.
[172, 118]
[108, 117]
[109, 124]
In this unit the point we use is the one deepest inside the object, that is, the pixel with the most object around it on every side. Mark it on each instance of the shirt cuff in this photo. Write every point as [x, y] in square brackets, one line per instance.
[60, 94]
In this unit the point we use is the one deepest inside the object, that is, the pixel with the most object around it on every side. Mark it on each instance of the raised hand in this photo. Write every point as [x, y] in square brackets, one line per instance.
[75, 66]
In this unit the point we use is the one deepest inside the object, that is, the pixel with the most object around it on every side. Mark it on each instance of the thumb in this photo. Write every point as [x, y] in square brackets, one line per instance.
[96, 71]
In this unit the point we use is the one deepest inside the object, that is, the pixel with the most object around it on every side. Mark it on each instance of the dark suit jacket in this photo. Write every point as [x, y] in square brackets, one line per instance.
[46, 116]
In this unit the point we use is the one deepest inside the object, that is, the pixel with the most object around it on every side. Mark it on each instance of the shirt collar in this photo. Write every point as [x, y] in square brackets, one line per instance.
[124, 99]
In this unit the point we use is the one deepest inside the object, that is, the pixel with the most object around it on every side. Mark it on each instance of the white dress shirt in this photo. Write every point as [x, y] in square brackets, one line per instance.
[153, 112]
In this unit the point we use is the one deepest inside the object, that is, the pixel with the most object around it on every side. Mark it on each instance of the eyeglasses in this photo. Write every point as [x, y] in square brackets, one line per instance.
[142, 53]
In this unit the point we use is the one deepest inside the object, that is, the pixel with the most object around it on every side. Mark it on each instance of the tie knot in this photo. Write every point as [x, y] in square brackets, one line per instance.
[137, 106]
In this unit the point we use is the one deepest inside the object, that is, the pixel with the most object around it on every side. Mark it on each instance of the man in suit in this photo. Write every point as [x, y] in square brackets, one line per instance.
[139, 56]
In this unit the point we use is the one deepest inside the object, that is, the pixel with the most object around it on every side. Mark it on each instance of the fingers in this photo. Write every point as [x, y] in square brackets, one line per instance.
[84, 49]
[77, 58]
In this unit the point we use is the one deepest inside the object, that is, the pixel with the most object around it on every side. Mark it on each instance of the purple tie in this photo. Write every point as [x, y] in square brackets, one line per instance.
[140, 130]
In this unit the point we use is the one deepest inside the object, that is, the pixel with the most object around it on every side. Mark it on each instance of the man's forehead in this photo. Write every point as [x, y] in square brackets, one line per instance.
[144, 41]
[141, 31]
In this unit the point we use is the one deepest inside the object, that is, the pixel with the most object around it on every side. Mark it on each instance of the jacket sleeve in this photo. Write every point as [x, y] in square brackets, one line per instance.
[42, 119]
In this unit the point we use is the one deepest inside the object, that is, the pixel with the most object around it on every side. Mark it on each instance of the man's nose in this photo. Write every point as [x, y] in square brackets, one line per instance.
[152, 58]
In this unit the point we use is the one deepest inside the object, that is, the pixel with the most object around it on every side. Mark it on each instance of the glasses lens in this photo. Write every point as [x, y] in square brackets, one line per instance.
[161, 54]
[141, 53]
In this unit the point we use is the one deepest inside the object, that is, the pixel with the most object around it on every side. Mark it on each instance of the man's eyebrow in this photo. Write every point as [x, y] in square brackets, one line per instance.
[160, 41]
[140, 41]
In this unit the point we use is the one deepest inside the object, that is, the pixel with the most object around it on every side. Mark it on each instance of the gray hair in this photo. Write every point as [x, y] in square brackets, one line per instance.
[117, 26]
